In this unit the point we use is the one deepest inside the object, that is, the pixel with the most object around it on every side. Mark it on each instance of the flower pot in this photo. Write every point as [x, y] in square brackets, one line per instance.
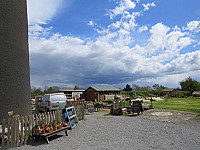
[55, 127]
[47, 130]
[39, 131]
[36, 130]
[43, 132]
[65, 124]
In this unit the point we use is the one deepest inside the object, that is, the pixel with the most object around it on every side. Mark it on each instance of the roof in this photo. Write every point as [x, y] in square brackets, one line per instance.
[167, 90]
[196, 93]
[106, 88]
[68, 90]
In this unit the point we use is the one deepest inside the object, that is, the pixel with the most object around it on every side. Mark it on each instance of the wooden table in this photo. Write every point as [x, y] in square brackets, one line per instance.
[47, 135]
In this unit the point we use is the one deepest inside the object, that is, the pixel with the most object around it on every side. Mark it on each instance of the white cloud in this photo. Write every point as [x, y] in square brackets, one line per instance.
[123, 6]
[91, 23]
[148, 5]
[113, 57]
[107, 59]
[194, 26]
[143, 28]
[185, 63]
[41, 11]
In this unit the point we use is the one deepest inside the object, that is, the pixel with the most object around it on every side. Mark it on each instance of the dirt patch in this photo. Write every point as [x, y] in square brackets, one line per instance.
[168, 115]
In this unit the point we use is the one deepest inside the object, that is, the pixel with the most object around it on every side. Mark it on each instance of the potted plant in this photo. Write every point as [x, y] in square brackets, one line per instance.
[43, 131]
[50, 129]
[36, 128]
[47, 129]
[58, 119]
[55, 126]
[75, 121]
[59, 126]
[39, 131]
[65, 124]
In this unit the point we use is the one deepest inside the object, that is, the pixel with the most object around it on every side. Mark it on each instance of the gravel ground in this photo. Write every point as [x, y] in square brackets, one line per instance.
[99, 131]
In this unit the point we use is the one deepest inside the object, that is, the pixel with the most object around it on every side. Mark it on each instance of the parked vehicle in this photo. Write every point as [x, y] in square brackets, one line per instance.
[52, 102]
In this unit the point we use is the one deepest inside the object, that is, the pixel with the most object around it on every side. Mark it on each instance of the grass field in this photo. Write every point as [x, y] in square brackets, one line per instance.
[182, 104]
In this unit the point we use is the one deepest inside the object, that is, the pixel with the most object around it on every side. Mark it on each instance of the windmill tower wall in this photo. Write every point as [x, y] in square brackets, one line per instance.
[14, 58]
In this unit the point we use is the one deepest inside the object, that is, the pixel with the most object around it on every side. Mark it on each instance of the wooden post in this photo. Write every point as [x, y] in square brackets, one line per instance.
[54, 114]
[29, 125]
[9, 124]
[36, 119]
[22, 130]
[45, 118]
[113, 107]
[13, 135]
[25, 131]
[48, 119]
[17, 131]
[3, 133]
[33, 121]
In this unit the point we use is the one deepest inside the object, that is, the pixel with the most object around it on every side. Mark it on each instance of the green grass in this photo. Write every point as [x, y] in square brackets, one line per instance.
[182, 104]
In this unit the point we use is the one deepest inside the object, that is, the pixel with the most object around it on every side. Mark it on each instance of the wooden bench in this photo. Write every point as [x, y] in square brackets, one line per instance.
[47, 135]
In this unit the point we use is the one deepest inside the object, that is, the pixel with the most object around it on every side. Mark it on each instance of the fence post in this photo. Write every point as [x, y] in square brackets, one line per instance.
[22, 130]
[48, 118]
[36, 119]
[45, 118]
[25, 131]
[33, 122]
[54, 116]
[29, 125]
[17, 131]
[9, 123]
[3, 133]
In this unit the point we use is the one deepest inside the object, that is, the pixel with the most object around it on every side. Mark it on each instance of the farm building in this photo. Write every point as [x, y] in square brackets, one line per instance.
[196, 94]
[102, 93]
[168, 92]
[73, 94]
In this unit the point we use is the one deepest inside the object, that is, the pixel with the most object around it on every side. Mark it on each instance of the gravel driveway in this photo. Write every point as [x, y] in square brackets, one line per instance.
[104, 132]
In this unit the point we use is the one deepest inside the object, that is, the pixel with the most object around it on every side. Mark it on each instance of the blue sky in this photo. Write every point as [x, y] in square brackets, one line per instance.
[113, 42]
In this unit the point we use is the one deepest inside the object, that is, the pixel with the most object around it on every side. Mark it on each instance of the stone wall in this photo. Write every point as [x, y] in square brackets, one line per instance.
[14, 61]
[80, 111]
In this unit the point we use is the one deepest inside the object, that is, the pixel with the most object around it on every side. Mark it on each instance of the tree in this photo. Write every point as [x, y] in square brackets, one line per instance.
[127, 88]
[156, 86]
[36, 91]
[76, 87]
[190, 85]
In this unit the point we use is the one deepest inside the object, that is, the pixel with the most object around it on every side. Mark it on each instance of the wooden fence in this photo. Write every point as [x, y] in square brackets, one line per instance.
[18, 129]
[79, 102]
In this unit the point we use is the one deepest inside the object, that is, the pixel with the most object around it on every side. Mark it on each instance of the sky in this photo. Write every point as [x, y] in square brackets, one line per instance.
[113, 42]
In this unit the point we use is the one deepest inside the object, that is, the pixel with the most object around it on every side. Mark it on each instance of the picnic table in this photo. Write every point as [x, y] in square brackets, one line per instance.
[47, 135]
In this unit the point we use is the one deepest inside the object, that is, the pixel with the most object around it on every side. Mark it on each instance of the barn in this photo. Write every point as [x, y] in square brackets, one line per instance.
[102, 93]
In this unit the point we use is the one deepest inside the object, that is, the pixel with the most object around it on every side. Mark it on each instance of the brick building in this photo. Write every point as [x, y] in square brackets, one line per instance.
[101, 93]
[14, 61]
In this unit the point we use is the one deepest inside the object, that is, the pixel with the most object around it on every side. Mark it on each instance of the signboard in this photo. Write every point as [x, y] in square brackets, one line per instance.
[90, 108]
[136, 105]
